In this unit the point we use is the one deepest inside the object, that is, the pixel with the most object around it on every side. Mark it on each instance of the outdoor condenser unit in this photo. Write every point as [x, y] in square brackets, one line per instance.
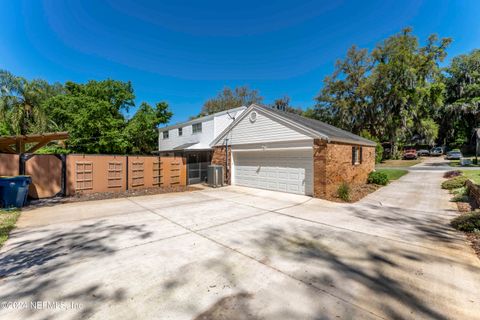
[215, 176]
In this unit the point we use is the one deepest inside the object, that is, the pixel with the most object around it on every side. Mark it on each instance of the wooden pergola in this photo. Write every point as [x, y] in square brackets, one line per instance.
[16, 144]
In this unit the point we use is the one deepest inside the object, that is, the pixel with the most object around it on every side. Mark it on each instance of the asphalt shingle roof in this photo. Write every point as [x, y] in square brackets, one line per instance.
[333, 133]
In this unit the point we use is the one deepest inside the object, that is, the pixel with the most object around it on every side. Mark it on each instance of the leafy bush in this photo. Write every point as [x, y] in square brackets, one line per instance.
[468, 222]
[460, 195]
[454, 183]
[378, 177]
[378, 152]
[344, 192]
[451, 174]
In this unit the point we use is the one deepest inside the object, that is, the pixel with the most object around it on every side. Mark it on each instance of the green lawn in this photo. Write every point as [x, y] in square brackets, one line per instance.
[8, 218]
[473, 175]
[393, 174]
[398, 163]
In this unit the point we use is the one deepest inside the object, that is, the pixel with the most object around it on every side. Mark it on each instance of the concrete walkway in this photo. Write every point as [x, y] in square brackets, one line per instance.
[239, 253]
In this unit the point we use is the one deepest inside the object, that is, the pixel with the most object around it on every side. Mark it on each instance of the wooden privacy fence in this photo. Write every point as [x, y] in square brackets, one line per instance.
[76, 173]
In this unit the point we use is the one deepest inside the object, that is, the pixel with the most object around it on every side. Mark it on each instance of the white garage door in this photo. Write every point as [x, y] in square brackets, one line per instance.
[287, 171]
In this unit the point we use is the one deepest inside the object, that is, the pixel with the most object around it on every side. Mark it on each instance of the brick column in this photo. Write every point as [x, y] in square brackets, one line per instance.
[319, 168]
[219, 158]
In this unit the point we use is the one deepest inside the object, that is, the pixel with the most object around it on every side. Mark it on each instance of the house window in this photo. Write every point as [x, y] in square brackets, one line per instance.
[197, 127]
[357, 155]
[165, 134]
[180, 131]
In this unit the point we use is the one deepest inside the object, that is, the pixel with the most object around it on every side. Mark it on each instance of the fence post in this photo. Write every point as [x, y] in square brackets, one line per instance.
[126, 173]
[21, 164]
[63, 158]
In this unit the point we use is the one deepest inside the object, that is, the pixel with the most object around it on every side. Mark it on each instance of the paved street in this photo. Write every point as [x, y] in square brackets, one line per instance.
[239, 253]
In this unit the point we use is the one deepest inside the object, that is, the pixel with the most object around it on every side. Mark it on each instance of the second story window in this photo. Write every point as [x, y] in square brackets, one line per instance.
[197, 127]
[165, 134]
[180, 132]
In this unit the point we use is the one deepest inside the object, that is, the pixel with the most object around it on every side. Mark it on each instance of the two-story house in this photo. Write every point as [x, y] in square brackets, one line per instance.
[192, 140]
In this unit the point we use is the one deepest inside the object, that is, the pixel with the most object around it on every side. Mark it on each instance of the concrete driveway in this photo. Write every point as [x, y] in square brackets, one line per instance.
[238, 253]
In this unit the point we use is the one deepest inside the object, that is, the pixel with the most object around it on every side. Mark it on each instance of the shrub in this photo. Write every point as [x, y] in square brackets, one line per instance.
[344, 192]
[454, 183]
[468, 222]
[451, 174]
[460, 195]
[378, 177]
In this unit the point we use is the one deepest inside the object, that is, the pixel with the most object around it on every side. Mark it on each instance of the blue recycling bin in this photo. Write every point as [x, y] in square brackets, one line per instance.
[14, 191]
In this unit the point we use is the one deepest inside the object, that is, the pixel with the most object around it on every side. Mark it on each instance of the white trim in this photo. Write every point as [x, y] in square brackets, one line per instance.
[257, 154]
[295, 126]
[232, 168]
[271, 149]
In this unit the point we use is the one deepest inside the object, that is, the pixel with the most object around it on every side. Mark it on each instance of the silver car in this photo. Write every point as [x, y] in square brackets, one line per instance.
[437, 151]
[453, 155]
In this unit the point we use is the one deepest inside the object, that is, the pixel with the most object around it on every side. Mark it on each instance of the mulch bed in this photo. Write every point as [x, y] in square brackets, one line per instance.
[474, 239]
[107, 195]
[464, 206]
[357, 192]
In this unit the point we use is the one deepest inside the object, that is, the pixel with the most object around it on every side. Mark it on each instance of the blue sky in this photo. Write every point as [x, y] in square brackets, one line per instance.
[184, 52]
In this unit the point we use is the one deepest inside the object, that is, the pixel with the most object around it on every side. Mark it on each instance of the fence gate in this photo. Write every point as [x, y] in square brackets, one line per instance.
[48, 171]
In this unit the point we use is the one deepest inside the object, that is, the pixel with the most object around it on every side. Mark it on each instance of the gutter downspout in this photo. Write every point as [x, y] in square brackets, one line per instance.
[227, 169]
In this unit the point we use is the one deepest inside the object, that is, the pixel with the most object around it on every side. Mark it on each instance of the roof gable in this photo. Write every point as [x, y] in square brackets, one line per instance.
[309, 127]
[266, 127]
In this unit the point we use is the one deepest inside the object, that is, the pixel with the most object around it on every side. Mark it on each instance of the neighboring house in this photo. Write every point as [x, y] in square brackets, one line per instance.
[192, 140]
[275, 150]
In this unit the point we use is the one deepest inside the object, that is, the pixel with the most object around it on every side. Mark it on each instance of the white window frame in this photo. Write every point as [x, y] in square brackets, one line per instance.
[165, 134]
[180, 132]
[357, 155]
[197, 125]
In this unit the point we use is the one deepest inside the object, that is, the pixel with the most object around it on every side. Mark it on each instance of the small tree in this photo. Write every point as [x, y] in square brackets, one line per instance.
[20, 104]
[142, 129]
[229, 99]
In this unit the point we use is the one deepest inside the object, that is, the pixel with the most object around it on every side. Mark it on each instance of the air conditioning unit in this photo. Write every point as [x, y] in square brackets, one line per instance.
[215, 176]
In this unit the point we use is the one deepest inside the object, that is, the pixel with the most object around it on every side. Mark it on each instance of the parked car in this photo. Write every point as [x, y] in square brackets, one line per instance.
[453, 155]
[423, 152]
[409, 154]
[437, 151]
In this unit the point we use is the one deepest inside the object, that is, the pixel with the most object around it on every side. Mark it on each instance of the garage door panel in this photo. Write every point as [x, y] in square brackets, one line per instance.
[286, 171]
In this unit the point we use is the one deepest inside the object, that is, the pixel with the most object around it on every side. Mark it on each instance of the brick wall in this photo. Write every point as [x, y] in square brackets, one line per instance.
[319, 168]
[218, 158]
[333, 166]
[473, 193]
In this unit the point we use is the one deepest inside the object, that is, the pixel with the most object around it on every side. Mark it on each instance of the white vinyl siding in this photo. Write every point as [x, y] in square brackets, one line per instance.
[212, 126]
[175, 140]
[263, 129]
[286, 171]
[224, 120]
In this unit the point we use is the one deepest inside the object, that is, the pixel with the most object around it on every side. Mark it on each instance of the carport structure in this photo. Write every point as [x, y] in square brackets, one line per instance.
[17, 144]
